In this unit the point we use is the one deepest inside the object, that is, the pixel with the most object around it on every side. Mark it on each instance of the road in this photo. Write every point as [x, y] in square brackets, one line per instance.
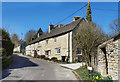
[27, 68]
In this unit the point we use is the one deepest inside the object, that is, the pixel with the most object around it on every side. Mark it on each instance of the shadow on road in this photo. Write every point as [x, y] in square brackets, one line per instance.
[18, 62]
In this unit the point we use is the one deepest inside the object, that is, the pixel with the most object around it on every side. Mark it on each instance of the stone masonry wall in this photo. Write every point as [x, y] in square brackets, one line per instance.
[112, 48]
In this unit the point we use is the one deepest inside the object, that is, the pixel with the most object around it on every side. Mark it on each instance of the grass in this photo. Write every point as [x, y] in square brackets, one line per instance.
[83, 73]
[7, 61]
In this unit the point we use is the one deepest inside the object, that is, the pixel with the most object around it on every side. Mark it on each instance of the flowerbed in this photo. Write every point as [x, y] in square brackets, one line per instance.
[93, 76]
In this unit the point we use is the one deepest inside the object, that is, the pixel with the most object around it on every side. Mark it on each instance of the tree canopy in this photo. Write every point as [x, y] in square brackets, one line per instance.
[88, 37]
[29, 35]
[115, 26]
[15, 39]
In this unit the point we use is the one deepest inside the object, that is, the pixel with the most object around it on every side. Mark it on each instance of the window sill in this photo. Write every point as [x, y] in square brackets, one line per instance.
[79, 54]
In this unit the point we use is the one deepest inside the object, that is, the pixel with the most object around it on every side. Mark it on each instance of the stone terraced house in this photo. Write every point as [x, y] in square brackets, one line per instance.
[58, 42]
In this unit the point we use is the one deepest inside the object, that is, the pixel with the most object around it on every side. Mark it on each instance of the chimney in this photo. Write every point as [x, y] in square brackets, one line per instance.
[51, 26]
[60, 25]
[32, 38]
[76, 18]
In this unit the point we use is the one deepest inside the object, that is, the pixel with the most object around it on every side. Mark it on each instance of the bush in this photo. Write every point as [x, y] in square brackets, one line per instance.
[42, 56]
[7, 43]
[46, 58]
[16, 52]
[54, 59]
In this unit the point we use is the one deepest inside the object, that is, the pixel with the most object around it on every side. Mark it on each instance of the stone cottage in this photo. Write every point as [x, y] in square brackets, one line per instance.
[108, 57]
[58, 42]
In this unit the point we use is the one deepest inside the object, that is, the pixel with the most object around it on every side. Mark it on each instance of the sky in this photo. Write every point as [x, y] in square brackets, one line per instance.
[20, 17]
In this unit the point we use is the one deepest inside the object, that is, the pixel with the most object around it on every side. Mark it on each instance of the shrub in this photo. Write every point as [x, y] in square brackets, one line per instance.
[6, 42]
[42, 56]
[46, 58]
[54, 59]
[59, 61]
[16, 52]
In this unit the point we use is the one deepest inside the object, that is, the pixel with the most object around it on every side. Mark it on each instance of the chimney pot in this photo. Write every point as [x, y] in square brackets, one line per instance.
[76, 18]
[51, 26]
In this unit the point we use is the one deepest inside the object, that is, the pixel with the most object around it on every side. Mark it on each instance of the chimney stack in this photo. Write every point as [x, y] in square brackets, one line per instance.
[60, 25]
[76, 18]
[51, 26]
[32, 38]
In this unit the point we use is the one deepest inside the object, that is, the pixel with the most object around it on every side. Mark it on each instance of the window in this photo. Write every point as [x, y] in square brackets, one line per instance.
[48, 52]
[57, 50]
[38, 52]
[46, 41]
[79, 52]
[55, 40]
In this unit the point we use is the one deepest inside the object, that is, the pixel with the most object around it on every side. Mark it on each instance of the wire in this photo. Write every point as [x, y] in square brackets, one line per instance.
[71, 14]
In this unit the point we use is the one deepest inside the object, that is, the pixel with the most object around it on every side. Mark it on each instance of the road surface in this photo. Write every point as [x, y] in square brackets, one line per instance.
[27, 68]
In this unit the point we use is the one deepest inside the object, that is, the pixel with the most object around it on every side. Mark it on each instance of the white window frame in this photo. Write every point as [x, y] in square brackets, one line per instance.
[55, 40]
[49, 52]
[57, 50]
[38, 52]
[46, 41]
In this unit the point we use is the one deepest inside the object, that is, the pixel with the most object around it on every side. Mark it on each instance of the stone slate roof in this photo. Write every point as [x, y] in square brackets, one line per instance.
[58, 31]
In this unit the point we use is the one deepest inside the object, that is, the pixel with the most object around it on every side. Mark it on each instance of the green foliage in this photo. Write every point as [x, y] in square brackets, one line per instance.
[54, 59]
[7, 43]
[94, 76]
[6, 61]
[29, 55]
[7, 48]
[88, 36]
[88, 16]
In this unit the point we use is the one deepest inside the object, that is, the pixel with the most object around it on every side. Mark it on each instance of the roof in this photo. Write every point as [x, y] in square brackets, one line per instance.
[58, 31]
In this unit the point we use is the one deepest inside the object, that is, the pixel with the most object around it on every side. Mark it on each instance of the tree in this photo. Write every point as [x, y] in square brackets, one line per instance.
[7, 44]
[88, 37]
[29, 35]
[88, 16]
[115, 26]
[15, 39]
[40, 32]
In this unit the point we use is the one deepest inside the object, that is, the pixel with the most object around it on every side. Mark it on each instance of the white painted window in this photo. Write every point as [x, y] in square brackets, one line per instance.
[55, 40]
[48, 52]
[79, 51]
[57, 50]
[38, 52]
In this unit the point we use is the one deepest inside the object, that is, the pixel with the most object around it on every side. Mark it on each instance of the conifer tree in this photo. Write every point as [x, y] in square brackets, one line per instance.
[88, 16]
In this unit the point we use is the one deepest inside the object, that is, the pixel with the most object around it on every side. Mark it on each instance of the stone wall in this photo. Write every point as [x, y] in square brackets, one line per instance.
[108, 58]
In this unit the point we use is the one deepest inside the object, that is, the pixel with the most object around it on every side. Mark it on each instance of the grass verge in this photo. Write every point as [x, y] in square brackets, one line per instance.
[83, 73]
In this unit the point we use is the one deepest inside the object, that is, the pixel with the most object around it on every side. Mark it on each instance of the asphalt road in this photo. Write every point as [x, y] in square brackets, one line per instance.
[27, 68]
